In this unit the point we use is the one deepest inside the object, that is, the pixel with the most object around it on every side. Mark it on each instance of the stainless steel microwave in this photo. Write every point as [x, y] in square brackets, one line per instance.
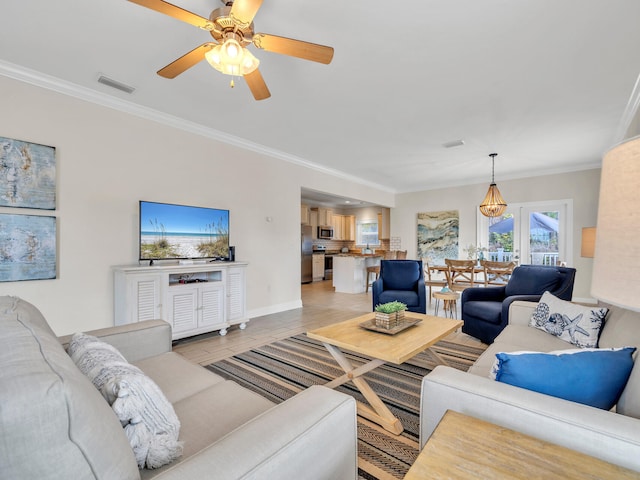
[325, 233]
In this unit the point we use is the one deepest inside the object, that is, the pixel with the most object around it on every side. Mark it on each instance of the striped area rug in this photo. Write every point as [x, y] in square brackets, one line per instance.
[281, 369]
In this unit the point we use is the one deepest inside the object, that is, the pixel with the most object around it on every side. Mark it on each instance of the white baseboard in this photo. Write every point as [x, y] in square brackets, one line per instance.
[281, 307]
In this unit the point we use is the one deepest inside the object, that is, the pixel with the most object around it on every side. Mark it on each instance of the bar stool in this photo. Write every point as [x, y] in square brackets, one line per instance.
[375, 269]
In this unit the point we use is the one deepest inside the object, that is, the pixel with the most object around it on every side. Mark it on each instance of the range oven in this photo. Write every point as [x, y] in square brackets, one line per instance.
[325, 233]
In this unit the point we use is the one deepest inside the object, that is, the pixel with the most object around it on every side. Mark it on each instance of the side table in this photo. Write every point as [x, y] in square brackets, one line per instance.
[466, 448]
[450, 300]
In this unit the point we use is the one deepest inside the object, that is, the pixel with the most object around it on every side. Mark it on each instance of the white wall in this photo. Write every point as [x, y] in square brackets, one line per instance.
[108, 160]
[583, 187]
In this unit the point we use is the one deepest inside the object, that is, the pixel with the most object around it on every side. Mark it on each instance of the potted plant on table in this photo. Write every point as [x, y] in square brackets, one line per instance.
[390, 314]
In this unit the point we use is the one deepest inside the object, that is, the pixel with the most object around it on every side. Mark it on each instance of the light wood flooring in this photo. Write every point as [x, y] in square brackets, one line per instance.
[321, 306]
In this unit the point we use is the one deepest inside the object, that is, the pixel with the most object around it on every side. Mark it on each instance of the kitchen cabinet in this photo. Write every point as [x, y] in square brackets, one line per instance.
[313, 221]
[318, 266]
[344, 227]
[336, 223]
[350, 228]
[193, 299]
[384, 228]
[324, 216]
[350, 272]
[304, 214]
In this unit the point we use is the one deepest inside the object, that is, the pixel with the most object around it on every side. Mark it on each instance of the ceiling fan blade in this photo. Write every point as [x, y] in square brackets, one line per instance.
[257, 85]
[243, 11]
[186, 61]
[294, 48]
[176, 12]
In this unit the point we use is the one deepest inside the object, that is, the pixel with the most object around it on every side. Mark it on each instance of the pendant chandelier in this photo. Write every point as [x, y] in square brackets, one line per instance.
[493, 204]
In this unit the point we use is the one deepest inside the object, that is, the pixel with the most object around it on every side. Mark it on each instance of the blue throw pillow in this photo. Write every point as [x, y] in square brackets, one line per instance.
[591, 376]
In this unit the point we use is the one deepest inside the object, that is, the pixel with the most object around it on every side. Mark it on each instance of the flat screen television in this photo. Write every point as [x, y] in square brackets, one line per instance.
[179, 232]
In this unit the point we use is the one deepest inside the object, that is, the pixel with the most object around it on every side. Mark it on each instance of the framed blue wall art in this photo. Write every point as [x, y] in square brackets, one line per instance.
[27, 174]
[438, 236]
[27, 247]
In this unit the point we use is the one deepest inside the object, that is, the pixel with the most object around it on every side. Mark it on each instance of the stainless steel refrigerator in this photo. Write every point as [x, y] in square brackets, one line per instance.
[307, 254]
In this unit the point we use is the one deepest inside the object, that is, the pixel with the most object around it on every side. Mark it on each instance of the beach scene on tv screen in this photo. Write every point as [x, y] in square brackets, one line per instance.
[178, 231]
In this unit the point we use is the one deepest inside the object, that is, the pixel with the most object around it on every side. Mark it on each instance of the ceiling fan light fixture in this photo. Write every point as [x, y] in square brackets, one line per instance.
[231, 58]
[493, 204]
[249, 62]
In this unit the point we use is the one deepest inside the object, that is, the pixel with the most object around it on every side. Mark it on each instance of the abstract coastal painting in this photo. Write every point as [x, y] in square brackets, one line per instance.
[27, 247]
[27, 175]
[438, 236]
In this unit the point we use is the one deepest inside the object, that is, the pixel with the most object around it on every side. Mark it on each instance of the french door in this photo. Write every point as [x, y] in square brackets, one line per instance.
[537, 233]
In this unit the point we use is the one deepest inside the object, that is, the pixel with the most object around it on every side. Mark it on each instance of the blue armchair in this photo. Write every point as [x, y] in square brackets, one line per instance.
[485, 311]
[401, 280]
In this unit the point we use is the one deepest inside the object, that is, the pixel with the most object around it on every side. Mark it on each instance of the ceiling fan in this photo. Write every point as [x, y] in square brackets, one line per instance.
[232, 30]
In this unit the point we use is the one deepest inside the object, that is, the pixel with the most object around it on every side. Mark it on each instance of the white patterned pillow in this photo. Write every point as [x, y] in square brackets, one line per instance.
[148, 418]
[576, 324]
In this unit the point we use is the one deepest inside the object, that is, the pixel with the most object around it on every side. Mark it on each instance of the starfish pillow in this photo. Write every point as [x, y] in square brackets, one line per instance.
[577, 324]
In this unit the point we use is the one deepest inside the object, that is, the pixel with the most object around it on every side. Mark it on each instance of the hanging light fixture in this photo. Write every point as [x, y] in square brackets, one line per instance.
[231, 58]
[493, 204]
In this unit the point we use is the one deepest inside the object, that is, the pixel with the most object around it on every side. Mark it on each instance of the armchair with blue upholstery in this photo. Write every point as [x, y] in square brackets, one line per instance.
[485, 311]
[401, 280]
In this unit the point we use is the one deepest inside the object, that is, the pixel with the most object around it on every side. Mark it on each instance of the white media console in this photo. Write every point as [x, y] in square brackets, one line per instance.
[194, 299]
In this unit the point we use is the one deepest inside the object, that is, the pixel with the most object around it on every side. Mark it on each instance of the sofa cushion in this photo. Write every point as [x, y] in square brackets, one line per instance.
[408, 297]
[149, 420]
[177, 377]
[58, 424]
[576, 324]
[621, 328]
[594, 377]
[515, 338]
[212, 413]
[532, 281]
[490, 312]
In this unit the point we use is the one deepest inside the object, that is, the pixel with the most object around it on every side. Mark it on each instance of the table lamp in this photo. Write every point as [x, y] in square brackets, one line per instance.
[616, 266]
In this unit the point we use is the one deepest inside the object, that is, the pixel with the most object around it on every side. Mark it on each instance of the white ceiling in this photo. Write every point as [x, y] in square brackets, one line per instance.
[546, 84]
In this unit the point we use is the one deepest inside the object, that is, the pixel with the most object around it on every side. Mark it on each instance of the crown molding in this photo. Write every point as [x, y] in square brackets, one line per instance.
[64, 87]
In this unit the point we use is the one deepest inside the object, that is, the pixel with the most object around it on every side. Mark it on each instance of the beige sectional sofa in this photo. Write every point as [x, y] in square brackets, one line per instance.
[613, 436]
[55, 424]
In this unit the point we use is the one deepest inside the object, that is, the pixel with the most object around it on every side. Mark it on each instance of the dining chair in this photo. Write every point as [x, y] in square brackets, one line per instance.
[460, 274]
[497, 273]
[429, 281]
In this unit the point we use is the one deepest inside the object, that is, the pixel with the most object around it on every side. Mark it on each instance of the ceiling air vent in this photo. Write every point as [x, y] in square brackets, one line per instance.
[454, 143]
[110, 82]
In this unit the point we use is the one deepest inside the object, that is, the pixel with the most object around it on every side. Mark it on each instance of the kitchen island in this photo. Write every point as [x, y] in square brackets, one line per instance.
[350, 271]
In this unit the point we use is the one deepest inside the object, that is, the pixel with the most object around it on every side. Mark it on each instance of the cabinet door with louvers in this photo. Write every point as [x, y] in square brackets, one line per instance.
[211, 305]
[182, 302]
[147, 295]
